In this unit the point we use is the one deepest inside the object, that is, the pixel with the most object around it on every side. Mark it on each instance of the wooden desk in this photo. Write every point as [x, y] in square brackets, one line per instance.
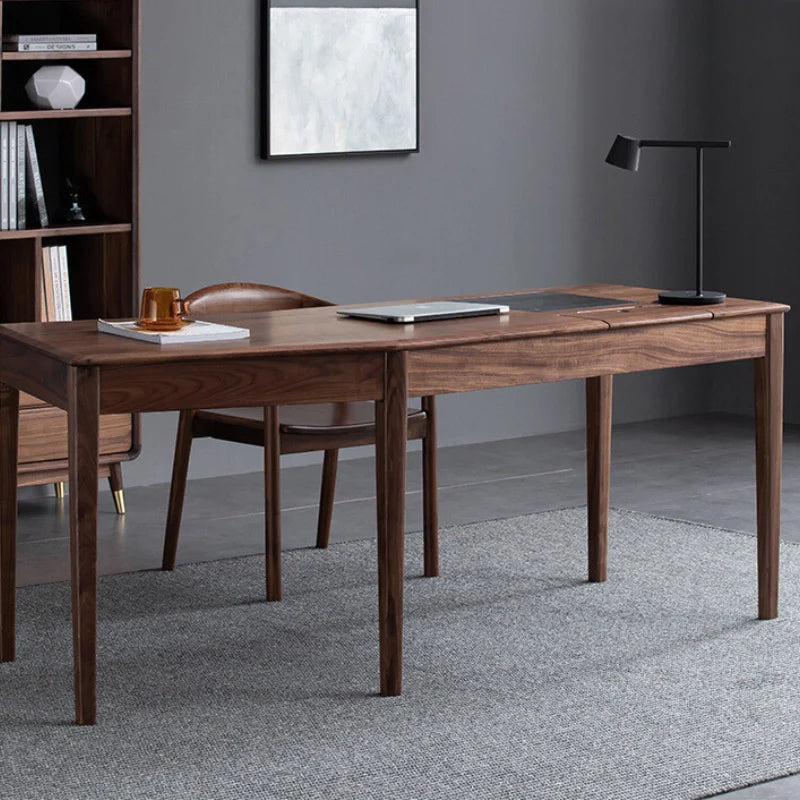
[310, 355]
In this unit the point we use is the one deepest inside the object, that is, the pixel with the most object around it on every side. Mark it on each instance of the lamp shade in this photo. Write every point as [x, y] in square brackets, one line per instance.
[624, 153]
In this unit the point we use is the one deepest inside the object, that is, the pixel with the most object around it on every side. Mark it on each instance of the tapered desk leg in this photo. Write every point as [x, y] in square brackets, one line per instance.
[430, 488]
[598, 472]
[9, 422]
[272, 501]
[769, 455]
[83, 426]
[390, 453]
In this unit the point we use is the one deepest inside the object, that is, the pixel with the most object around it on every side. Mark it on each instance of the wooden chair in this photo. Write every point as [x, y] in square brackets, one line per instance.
[324, 427]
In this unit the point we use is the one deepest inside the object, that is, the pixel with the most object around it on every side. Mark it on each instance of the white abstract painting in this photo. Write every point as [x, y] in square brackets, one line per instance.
[342, 80]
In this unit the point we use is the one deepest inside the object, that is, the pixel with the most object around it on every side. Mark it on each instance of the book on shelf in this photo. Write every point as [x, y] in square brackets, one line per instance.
[66, 298]
[12, 176]
[20, 181]
[22, 212]
[48, 38]
[34, 188]
[53, 47]
[49, 306]
[197, 331]
[58, 292]
[42, 301]
[4, 175]
[57, 303]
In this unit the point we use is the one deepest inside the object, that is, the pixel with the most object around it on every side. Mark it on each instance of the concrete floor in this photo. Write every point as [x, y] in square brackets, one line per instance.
[697, 468]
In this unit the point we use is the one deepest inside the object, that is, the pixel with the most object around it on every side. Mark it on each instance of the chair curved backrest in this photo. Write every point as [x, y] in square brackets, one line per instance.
[244, 298]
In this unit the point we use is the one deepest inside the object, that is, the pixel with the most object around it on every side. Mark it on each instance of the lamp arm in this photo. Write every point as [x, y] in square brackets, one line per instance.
[684, 143]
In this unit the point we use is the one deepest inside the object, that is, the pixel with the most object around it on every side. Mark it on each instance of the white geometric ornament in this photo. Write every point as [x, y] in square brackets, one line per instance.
[55, 87]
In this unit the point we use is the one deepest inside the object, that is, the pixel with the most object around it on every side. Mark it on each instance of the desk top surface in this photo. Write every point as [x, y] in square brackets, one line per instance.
[320, 330]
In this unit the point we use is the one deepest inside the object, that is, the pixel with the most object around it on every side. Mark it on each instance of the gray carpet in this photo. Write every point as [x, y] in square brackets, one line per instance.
[521, 680]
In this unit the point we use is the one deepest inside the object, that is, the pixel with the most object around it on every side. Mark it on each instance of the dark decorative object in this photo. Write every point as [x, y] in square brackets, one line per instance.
[74, 212]
[625, 154]
[339, 80]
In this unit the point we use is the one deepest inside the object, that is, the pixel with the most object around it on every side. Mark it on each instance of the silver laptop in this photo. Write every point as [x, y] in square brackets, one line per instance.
[424, 312]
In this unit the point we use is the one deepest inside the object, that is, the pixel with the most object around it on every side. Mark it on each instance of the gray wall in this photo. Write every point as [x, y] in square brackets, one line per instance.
[754, 235]
[520, 102]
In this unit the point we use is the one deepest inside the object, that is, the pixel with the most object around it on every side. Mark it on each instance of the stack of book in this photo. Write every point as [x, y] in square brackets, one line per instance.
[21, 195]
[54, 295]
[50, 43]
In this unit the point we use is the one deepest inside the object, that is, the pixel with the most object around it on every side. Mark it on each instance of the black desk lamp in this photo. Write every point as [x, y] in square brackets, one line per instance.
[625, 153]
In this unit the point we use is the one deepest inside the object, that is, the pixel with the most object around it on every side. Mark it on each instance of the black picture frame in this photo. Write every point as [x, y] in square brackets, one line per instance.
[265, 121]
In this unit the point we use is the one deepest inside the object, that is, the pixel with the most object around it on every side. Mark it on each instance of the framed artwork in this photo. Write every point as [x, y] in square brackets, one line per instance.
[339, 77]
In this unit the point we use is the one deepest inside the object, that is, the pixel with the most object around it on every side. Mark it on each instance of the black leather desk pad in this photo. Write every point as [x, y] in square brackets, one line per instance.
[551, 301]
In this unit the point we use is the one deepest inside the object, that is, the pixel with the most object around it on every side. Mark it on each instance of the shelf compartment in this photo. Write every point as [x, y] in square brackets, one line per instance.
[109, 83]
[19, 299]
[9, 55]
[102, 276]
[111, 21]
[97, 155]
[103, 267]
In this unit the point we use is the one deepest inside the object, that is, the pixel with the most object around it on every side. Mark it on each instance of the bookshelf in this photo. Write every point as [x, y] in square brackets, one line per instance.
[97, 145]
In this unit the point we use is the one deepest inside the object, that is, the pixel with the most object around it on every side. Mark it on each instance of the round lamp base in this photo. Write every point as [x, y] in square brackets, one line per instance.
[689, 297]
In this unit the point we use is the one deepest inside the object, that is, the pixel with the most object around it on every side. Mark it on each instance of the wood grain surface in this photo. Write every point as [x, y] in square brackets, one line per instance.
[598, 472]
[430, 489]
[9, 408]
[83, 391]
[495, 364]
[272, 503]
[390, 419]
[230, 382]
[769, 454]
[43, 434]
[316, 330]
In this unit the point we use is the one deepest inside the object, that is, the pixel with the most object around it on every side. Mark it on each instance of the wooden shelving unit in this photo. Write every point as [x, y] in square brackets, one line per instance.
[96, 144]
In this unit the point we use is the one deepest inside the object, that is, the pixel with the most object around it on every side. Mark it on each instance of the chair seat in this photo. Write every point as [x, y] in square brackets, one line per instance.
[321, 418]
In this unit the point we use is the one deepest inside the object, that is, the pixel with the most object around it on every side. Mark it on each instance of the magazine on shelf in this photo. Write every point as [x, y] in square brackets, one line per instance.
[4, 175]
[196, 331]
[22, 217]
[63, 268]
[55, 47]
[12, 176]
[34, 182]
[49, 308]
[48, 38]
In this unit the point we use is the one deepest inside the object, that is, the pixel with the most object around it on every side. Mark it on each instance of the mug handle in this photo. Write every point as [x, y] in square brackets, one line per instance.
[180, 308]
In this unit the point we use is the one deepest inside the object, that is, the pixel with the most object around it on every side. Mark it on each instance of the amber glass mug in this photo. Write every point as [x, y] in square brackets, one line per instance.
[163, 309]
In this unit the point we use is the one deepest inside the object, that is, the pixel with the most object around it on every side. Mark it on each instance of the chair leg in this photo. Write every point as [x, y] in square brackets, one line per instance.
[117, 492]
[177, 490]
[326, 498]
[272, 501]
[430, 499]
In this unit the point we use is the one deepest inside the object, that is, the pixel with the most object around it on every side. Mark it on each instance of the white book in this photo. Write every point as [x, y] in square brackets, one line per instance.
[66, 299]
[197, 331]
[22, 218]
[4, 176]
[48, 306]
[58, 294]
[38, 38]
[34, 180]
[55, 47]
[12, 176]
